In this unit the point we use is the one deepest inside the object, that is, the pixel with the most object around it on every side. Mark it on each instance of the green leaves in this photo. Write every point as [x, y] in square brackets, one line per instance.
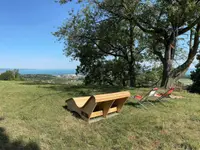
[66, 1]
[127, 31]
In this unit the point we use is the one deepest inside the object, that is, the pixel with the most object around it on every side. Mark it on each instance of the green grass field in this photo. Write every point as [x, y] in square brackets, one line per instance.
[32, 117]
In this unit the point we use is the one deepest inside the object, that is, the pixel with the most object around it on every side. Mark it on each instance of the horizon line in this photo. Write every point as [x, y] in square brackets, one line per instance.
[41, 68]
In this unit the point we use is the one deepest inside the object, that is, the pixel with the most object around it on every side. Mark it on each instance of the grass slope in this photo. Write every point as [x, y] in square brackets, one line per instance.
[33, 117]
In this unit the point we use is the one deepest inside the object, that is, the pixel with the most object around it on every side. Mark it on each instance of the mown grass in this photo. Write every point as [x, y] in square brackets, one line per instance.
[186, 81]
[33, 117]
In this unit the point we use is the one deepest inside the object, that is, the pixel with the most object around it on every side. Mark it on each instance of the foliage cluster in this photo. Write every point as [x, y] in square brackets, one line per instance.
[195, 76]
[11, 75]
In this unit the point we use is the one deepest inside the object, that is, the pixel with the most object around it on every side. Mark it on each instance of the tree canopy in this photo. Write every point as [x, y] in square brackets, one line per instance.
[112, 38]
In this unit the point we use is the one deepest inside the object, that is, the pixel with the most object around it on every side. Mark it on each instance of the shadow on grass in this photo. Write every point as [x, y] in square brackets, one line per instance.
[6, 144]
[145, 103]
[76, 90]
[134, 104]
[81, 90]
[1, 118]
[71, 91]
[75, 114]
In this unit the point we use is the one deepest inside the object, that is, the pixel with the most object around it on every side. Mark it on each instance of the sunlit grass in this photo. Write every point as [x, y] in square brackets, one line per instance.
[186, 81]
[34, 113]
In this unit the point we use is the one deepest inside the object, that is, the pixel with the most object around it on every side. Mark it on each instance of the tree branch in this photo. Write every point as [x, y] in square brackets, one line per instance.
[158, 53]
[184, 30]
[192, 52]
[143, 28]
[93, 40]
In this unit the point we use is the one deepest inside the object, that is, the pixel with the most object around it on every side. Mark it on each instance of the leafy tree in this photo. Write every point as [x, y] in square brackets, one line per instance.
[111, 72]
[110, 26]
[10, 75]
[149, 76]
[165, 21]
[94, 35]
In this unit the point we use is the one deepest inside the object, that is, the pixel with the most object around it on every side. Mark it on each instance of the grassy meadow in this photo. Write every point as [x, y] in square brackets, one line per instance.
[32, 116]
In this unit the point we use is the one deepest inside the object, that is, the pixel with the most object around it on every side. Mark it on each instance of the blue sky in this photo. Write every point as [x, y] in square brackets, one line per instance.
[26, 40]
[25, 34]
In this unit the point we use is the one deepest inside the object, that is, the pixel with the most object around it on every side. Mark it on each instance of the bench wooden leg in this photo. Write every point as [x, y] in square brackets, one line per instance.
[107, 106]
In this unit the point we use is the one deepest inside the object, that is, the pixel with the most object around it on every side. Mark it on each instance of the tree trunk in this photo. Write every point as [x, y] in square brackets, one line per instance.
[123, 83]
[169, 76]
[132, 75]
[167, 68]
[132, 59]
[123, 79]
[167, 65]
[164, 75]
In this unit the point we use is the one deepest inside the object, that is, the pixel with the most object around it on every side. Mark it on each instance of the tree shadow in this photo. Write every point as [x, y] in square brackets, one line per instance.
[77, 90]
[7, 144]
[134, 104]
[2, 118]
[146, 103]
[75, 114]
[82, 90]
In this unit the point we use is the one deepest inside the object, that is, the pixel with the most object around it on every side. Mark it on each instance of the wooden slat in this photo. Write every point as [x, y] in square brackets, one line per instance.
[100, 113]
[111, 110]
[111, 96]
[96, 114]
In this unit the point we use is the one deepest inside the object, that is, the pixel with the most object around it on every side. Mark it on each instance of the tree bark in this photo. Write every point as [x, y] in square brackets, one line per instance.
[123, 79]
[132, 75]
[167, 65]
[132, 59]
[171, 75]
[123, 83]
[166, 74]
[180, 70]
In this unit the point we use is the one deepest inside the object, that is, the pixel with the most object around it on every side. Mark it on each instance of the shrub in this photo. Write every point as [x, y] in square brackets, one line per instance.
[148, 77]
[10, 75]
[195, 76]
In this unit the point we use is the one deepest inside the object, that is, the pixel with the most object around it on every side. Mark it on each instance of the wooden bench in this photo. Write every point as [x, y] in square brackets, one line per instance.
[98, 105]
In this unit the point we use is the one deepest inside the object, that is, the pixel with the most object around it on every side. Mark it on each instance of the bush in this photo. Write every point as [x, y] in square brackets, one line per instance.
[148, 77]
[10, 75]
[195, 76]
